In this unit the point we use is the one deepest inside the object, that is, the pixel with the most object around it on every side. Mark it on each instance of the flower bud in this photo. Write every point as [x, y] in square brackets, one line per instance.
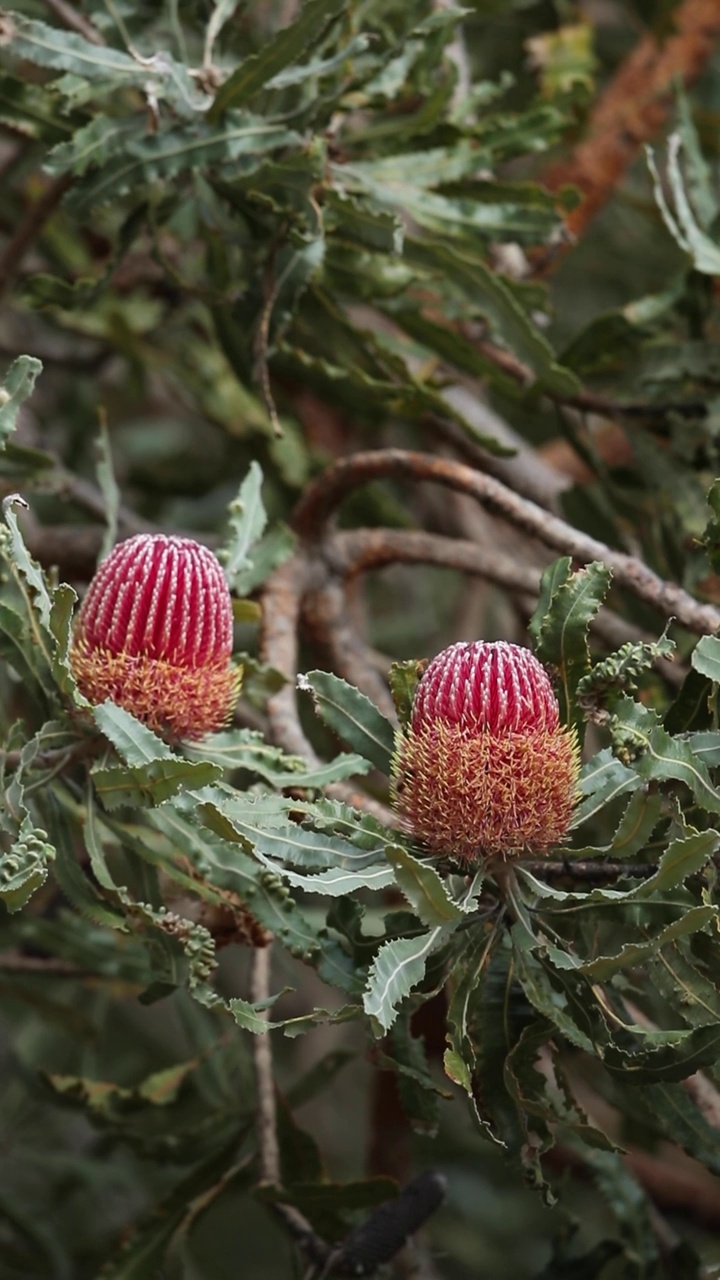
[154, 634]
[484, 768]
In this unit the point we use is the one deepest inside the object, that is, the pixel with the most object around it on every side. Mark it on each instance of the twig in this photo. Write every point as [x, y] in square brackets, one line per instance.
[71, 18]
[268, 1150]
[282, 603]
[347, 474]
[29, 229]
[572, 869]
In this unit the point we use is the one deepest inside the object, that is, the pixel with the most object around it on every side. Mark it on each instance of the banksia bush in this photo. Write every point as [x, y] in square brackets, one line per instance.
[154, 634]
[485, 768]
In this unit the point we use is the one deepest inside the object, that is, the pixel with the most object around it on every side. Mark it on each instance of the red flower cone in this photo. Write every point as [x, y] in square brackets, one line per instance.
[485, 768]
[154, 634]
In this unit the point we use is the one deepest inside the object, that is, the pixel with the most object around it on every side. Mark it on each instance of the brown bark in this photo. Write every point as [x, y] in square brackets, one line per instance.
[634, 107]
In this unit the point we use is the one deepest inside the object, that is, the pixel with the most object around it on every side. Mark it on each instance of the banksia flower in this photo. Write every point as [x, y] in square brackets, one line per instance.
[484, 767]
[154, 634]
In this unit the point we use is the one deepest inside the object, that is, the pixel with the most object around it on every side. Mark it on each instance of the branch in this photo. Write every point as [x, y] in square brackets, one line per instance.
[634, 107]
[71, 18]
[268, 1150]
[338, 481]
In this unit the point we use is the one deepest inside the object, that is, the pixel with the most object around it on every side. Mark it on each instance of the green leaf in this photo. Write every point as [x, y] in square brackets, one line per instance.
[562, 636]
[490, 296]
[397, 968]
[352, 716]
[655, 755]
[148, 157]
[705, 658]
[674, 1055]
[19, 383]
[41, 45]
[134, 742]
[247, 749]
[152, 783]
[287, 47]
[601, 780]
[247, 519]
[425, 891]
[293, 844]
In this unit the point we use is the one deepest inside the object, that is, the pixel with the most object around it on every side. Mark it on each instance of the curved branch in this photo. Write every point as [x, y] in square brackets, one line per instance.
[347, 474]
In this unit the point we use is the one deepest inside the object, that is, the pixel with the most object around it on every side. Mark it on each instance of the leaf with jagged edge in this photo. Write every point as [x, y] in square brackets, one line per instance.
[668, 1110]
[227, 865]
[152, 783]
[24, 867]
[247, 519]
[352, 716]
[247, 749]
[602, 779]
[426, 891]
[489, 295]
[18, 384]
[642, 815]
[654, 755]
[662, 1055]
[397, 968]
[133, 741]
[463, 978]
[705, 658]
[678, 975]
[27, 40]
[289, 843]
[562, 634]
[284, 49]
[149, 157]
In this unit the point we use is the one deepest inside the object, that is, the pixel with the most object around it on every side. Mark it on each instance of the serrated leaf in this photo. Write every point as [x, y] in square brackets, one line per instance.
[134, 742]
[665, 1056]
[18, 384]
[152, 783]
[146, 157]
[286, 47]
[490, 296]
[425, 890]
[601, 780]
[397, 968]
[705, 658]
[294, 844]
[659, 756]
[247, 519]
[562, 638]
[352, 716]
[247, 749]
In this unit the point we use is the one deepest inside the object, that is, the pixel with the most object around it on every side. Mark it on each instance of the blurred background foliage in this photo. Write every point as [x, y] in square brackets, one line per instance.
[230, 246]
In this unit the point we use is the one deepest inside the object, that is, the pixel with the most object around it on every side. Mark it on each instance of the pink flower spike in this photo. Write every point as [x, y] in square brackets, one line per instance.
[154, 634]
[485, 768]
